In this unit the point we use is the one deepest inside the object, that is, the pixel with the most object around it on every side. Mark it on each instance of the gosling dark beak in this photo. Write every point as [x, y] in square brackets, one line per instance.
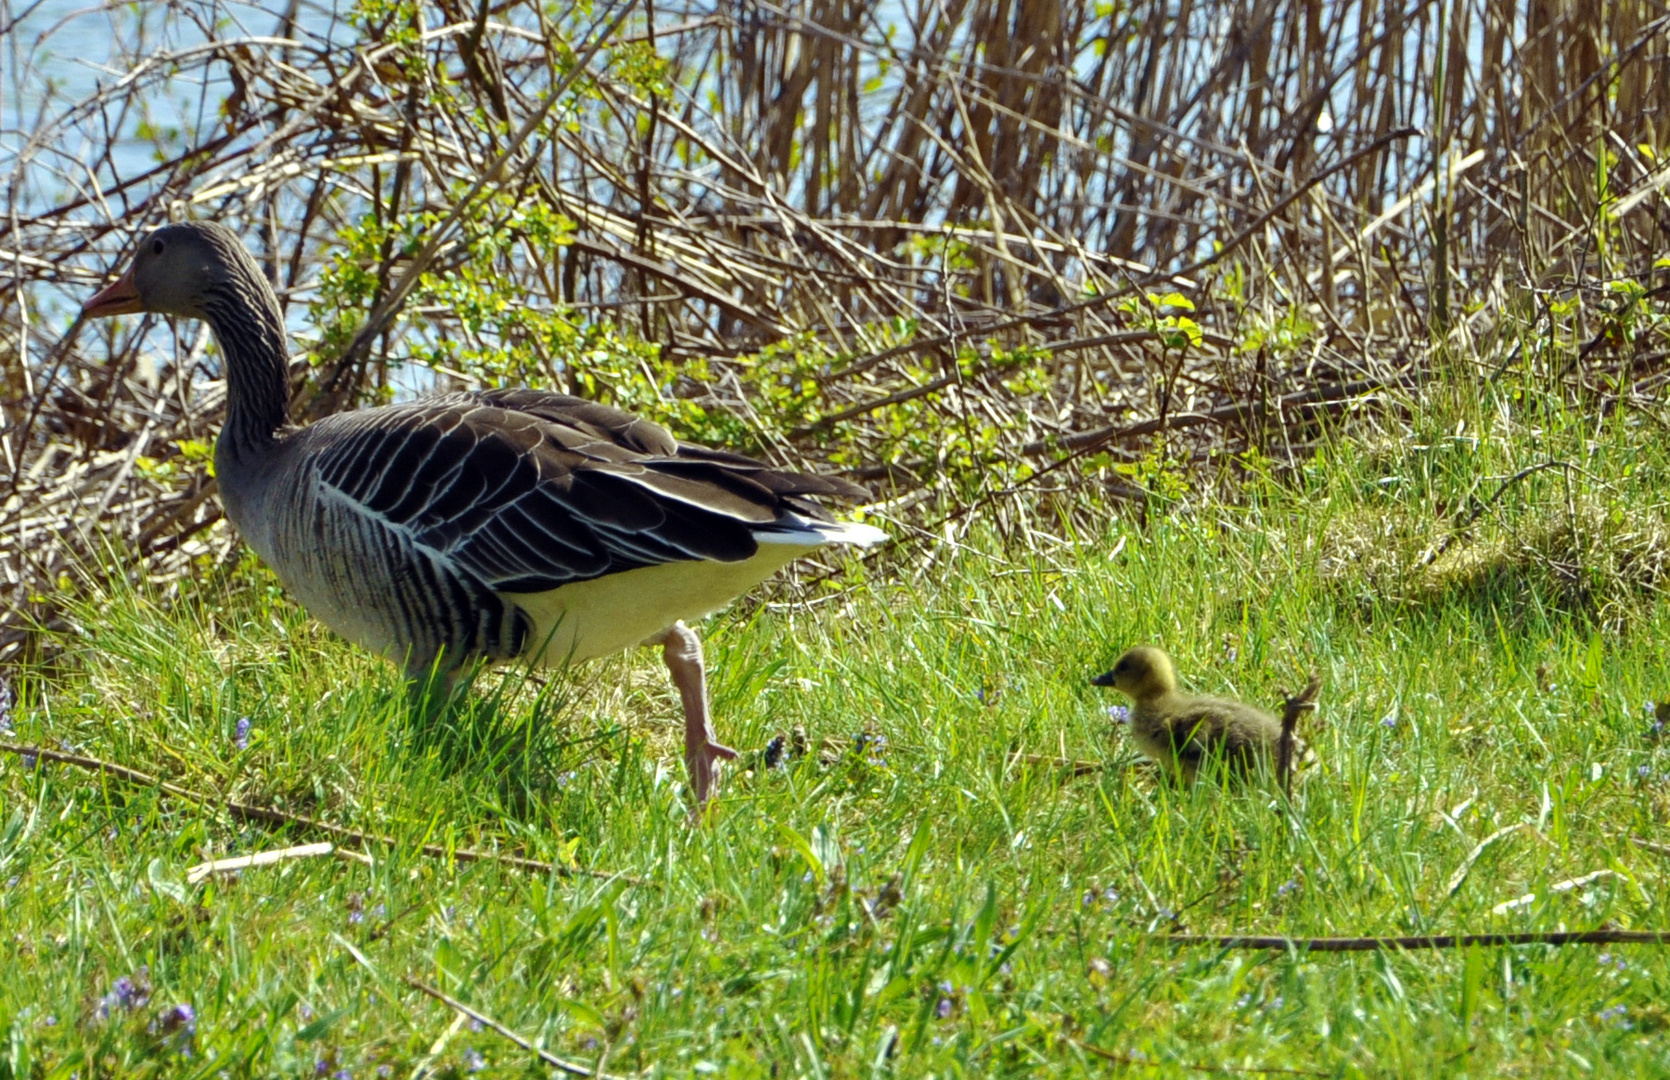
[1104, 679]
[120, 298]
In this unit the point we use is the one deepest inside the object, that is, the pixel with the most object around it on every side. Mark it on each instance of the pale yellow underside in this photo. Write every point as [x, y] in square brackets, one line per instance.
[618, 611]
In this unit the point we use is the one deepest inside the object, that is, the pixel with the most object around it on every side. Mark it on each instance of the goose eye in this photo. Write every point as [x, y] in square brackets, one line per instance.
[156, 247]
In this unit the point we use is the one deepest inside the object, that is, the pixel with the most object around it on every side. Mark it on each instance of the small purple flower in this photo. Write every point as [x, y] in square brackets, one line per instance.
[29, 760]
[342, 1074]
[1616, 1016]
[381, 911]
[305, 1012]
[473, 1060]
[181, 1018]
[1389, 721]
[355, 918]
[384, 1070]
[1291, 885]
[240, 737]
[7, 700]
[126, 993]
[1645, 772]
[321, 1067]
[1119, 714]
[475, 1025]
[943, 1010]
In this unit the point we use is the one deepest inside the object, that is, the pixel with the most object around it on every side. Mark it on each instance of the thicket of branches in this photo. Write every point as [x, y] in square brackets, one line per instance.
[972, 253]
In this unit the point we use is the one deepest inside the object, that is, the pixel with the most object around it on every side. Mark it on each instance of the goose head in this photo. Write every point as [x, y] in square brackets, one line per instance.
[1142, 673]
[178, 271]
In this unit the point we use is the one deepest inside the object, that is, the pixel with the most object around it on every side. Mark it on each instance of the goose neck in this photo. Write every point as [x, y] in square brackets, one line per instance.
[246, 323]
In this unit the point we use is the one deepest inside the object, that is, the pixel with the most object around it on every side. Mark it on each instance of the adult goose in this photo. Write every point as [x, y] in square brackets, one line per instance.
[495, 524]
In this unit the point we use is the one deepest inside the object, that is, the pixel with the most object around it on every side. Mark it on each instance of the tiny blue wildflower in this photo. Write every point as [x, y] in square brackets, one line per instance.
[943, 1010]
[1119, 714]
[305, 1012]
[381, 911]
[181, 1018]
[384, 1070]
[475, 1025]
[342, 1074]
[1644, 771]
[321, 1067]
[240, 736]
[7, 700]
[126, 993]
[473, 1060]
[1287, 887]
[1389, 720]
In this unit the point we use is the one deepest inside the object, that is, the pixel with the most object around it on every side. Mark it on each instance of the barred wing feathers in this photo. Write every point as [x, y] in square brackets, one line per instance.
[596, 523]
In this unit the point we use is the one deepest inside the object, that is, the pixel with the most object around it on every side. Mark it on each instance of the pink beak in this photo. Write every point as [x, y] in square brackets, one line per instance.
[119, 298]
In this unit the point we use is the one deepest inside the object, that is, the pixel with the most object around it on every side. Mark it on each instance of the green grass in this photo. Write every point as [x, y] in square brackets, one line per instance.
[923, 906]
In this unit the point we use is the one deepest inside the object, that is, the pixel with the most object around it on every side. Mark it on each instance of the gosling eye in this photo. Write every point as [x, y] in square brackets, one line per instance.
[156, 247]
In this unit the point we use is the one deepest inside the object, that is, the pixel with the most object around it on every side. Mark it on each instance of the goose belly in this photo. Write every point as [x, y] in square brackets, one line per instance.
[374, 587]
[607, 614]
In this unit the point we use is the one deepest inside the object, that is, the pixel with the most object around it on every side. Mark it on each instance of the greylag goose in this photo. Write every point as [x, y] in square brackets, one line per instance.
[1181, 732]
[488, 525]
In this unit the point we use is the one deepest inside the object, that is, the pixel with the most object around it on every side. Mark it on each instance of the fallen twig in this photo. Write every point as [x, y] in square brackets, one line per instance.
[251, 812]
[1132, 1059]
[1297, 705]
[1428, 941]
[204, 870]
[572, 1068]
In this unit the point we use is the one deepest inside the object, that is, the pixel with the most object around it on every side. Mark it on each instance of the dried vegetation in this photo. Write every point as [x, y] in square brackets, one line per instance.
[984, 256]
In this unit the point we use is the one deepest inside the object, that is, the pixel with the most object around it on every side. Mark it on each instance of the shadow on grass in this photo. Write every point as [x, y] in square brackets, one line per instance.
[508, 728]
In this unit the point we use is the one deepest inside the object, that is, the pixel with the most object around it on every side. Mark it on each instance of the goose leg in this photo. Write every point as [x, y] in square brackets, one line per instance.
[682, 650]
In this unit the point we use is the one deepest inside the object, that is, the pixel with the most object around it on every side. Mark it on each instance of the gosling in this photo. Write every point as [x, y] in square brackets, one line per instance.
[1181, 733]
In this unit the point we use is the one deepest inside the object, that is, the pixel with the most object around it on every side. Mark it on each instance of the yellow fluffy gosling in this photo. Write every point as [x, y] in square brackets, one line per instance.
[1182, 732]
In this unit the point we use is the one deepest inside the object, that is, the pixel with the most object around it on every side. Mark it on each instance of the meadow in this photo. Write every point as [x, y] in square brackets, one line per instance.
[1323, 339]
[899, 881]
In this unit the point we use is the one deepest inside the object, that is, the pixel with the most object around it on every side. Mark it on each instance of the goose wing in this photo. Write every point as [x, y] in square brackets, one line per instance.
[526, 491]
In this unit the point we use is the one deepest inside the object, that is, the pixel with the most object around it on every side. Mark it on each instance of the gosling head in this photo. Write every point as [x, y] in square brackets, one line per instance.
[179, 271]
[1142, 673]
